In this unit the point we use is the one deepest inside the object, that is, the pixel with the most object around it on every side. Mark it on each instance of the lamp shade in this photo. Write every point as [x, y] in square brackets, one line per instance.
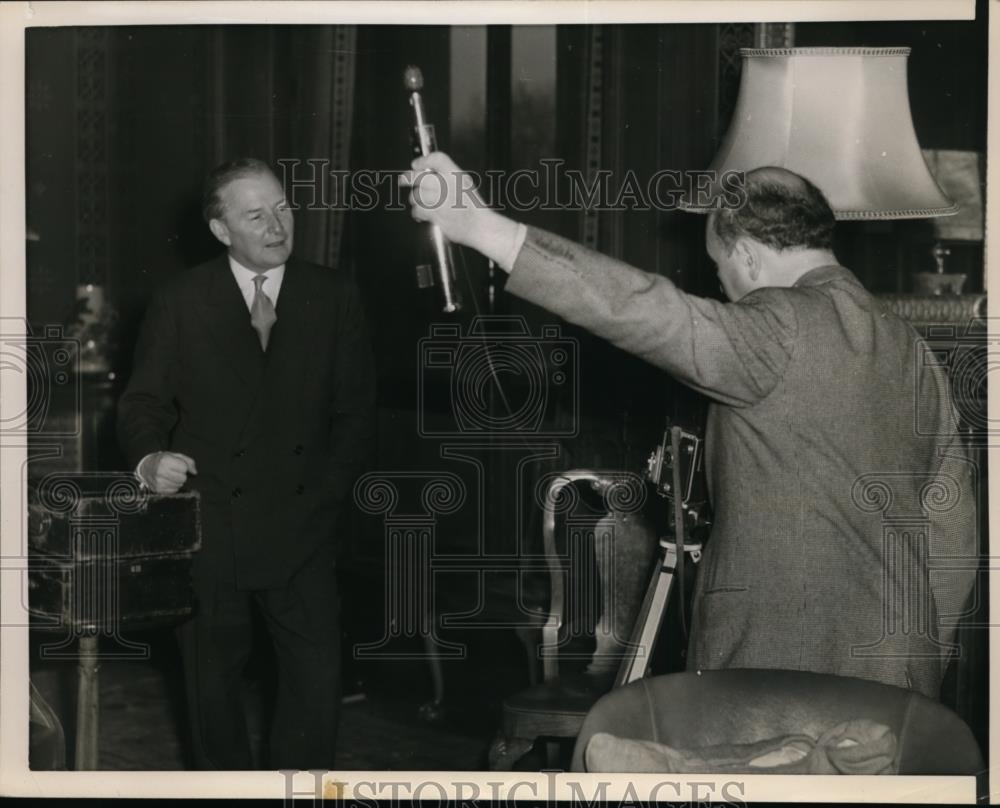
[839, 117]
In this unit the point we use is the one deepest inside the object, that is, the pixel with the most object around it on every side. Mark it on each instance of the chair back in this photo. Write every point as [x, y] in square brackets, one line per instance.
[599, 574]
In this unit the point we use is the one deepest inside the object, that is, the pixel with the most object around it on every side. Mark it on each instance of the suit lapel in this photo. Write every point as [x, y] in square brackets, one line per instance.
[229, 321]
[287, 351]
[288, 345]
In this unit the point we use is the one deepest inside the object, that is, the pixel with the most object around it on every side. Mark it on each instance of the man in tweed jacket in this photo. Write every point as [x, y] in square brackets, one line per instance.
[833, 460]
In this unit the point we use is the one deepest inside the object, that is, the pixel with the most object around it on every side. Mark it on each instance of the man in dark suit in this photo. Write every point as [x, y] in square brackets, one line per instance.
[827, 417]
[253, 384]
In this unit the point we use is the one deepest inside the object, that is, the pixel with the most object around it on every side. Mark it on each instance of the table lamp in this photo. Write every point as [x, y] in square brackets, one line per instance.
[839, 117]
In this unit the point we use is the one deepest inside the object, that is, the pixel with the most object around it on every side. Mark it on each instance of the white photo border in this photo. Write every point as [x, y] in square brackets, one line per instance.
[15, 777]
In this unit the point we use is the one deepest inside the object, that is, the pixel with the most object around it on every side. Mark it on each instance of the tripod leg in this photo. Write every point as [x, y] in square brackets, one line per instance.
[636, 664]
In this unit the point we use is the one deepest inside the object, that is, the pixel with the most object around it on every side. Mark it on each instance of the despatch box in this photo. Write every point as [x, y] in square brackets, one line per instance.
[102, 561]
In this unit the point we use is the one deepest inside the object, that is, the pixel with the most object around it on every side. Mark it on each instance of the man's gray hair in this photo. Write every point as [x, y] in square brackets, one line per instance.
[212, 206]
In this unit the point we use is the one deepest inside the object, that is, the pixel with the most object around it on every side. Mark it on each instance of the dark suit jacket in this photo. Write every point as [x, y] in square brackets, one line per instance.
[831, 455]
[278, 438]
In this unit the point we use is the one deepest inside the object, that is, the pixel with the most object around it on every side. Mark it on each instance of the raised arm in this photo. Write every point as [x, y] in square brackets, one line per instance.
[733, 352]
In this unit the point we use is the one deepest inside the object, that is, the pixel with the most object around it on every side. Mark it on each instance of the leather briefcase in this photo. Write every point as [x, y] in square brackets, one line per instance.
[100, 561]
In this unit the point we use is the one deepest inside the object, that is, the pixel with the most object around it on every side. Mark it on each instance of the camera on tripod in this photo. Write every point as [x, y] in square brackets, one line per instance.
[690, 460]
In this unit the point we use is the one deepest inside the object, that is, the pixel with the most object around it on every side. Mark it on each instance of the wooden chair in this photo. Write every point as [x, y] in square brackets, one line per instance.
[618, 552]
[634, 572]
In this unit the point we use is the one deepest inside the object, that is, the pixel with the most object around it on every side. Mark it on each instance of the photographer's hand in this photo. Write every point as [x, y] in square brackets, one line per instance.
[442, 194]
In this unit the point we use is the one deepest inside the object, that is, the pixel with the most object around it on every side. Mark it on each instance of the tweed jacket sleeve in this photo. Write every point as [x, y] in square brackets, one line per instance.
[735, 353]
[949, 501]
[953, 542]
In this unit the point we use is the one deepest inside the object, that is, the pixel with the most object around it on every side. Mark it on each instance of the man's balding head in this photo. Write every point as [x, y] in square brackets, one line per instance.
[782, 210]
[783, 229]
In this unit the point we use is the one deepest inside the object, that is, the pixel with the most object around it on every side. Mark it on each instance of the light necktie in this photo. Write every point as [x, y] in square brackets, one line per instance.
[262, 315]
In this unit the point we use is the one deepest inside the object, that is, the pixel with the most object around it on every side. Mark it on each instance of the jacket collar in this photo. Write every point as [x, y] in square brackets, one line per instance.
[825, 274]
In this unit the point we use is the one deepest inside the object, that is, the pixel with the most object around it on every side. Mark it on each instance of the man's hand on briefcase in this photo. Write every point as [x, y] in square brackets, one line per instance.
[166, 472]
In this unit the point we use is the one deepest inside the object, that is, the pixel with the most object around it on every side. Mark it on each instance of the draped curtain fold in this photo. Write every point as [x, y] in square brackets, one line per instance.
[328, 76]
